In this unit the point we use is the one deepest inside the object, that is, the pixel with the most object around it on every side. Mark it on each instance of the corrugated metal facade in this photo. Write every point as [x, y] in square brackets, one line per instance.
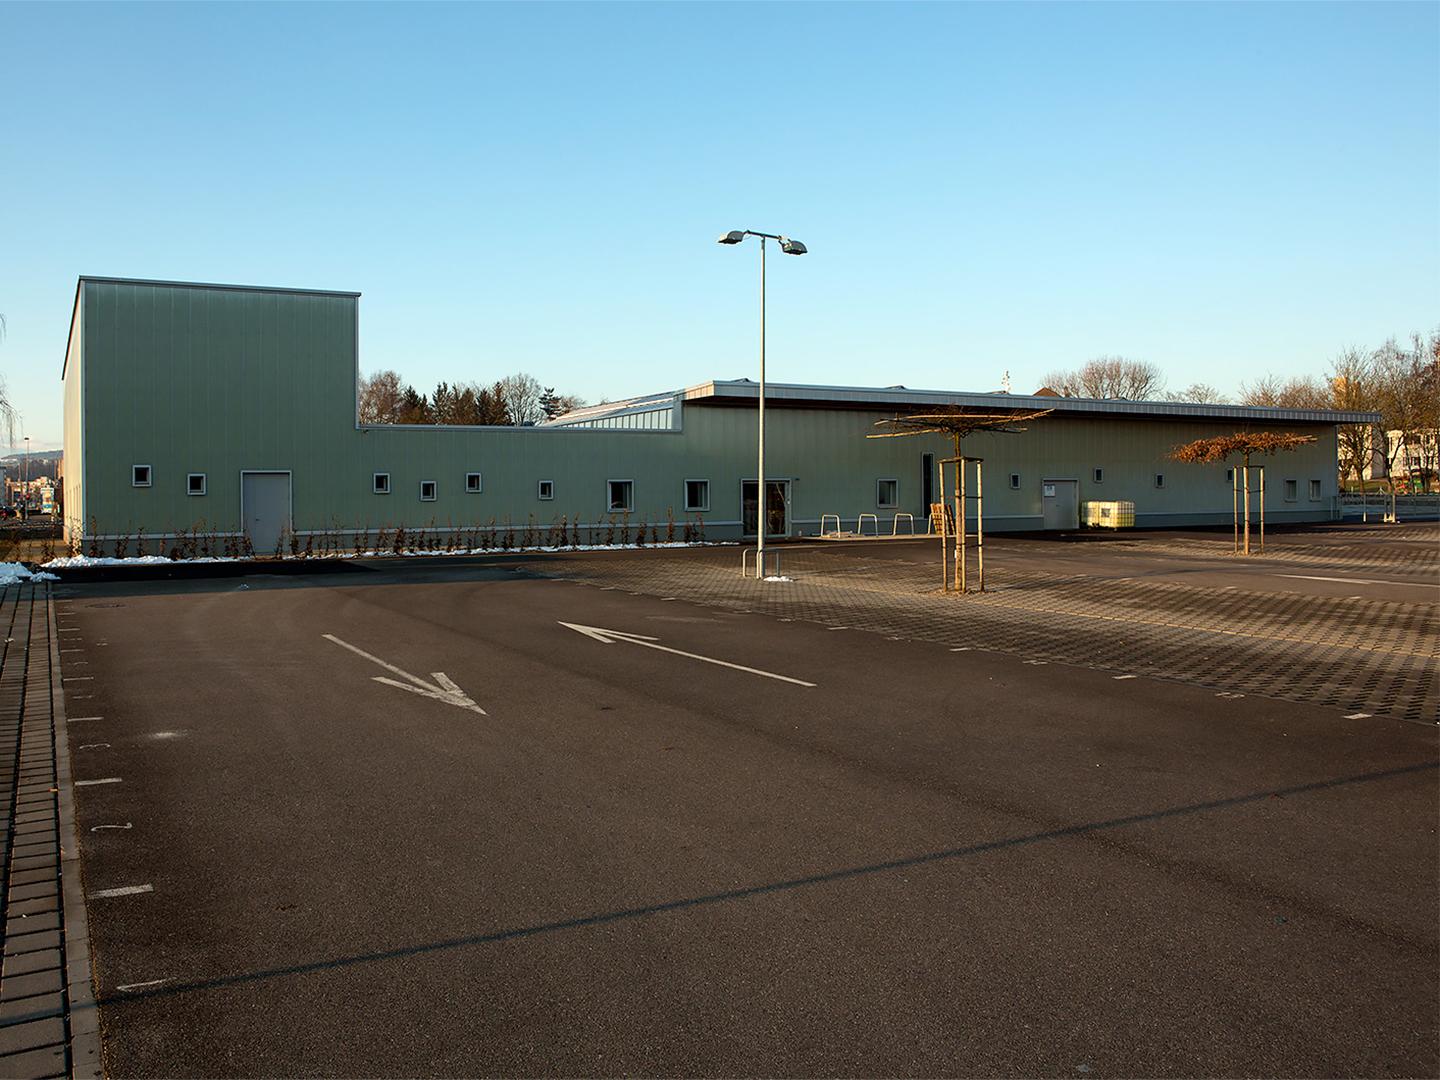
[217, 380]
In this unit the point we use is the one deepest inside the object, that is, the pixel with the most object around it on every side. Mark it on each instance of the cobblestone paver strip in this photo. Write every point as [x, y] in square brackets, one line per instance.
[47, 1014]
[1375, 656]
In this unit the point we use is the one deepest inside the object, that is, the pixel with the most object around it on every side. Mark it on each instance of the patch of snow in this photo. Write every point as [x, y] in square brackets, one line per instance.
[14, 573]
[781, 577]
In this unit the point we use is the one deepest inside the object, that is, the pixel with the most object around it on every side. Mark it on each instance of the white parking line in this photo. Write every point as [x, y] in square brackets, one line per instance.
[141, 985]
[77, 719]
[1352, 580]
[1125, 676]
[123, 890]
[103, 780]
[1358, 716]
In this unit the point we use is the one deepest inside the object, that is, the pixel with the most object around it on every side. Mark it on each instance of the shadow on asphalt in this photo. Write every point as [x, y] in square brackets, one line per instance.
[751, 892]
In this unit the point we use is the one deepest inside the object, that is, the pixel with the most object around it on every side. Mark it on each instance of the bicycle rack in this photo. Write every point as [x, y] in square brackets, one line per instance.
[745, 561]
[826, 517]
[895, 529]
[860, 524]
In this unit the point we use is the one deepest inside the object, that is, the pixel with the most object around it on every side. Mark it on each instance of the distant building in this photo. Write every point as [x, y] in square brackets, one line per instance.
[233, 409]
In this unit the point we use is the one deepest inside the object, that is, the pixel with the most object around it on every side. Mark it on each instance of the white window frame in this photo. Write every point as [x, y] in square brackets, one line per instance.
[1159, 479]
[540, 490]
[698, 508]
[149, 476]
[1097, 475]
[434, 490]
[1014, 481]
[610, 507]
[1230, 476]
[1291, 487]
[479, 483]
[879, 482]
[189, 490]
[375, 487]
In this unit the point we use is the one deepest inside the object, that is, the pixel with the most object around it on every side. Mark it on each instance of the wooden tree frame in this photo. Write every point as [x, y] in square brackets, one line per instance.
[1245, 444]
[957, 423]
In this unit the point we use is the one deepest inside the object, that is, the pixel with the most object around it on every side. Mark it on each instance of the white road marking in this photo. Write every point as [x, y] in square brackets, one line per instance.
[79, 678]
[141, 985]
[1117, 677]
[962, 648]
[97, 828]
[104, 780]
[1037, 663]
[443, 689]
[1358, 716]
[123, 890]
[72, 650]
[93, 745]
[77, 719]
[837, 628]
[1229, 694]
[1352, 580]
[69, 629]
[609, 637]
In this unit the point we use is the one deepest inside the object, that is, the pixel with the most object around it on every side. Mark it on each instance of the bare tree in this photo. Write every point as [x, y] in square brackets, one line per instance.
[1407, 379]
[521, 395]
[380, 396]
[1202, 394]
[7, 411]
[1109, 377]
[1299, 392]
[1355, 387]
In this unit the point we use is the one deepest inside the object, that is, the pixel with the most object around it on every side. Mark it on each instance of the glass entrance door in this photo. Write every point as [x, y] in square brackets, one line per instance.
[777, 507]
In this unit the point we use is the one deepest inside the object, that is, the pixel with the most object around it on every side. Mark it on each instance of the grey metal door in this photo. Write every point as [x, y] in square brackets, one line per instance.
[265, 508]
[777, 507]
[1062, 504]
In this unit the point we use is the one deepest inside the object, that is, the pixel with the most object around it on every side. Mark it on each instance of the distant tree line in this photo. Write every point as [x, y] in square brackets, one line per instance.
[1400, 380]
[516, 400]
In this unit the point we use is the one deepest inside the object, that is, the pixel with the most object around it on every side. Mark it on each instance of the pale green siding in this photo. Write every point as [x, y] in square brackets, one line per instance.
[213, 380]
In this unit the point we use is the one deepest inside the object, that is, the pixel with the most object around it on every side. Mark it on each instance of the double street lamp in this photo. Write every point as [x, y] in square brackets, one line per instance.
[789, 247]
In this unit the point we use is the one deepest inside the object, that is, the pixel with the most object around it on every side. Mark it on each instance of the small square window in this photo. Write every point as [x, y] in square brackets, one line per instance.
[697, 494]
[472, 483]
[545, 490]
[1014, 481]
[195, 483]
[1315, 489]
[1230, 476]
[1099, 476]
[621, 495]
[1292, 490]
[381, 483]
[140, 475]
[1159, 479]
[427, 490]
[887, 494]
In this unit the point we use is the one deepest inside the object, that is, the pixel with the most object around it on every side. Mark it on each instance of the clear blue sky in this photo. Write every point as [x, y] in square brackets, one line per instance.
[1222, 189]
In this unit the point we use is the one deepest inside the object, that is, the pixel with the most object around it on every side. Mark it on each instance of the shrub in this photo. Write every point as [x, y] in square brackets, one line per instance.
[669, 524]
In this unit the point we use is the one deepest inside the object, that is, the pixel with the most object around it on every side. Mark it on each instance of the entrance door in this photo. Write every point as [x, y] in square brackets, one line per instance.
[265, 508]
[777, 507]
[1062, 504]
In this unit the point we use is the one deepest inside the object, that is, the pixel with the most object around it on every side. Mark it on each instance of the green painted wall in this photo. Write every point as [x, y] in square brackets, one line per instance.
[216, 381]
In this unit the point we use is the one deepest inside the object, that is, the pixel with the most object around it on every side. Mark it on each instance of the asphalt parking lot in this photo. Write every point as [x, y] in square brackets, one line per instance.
[626, 813]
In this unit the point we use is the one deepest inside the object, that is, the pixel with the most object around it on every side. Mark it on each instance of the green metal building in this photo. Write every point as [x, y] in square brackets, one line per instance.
[234, 410]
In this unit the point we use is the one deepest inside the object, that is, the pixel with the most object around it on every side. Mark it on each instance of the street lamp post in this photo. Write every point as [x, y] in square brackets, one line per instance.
[789, 247]
[25, 491]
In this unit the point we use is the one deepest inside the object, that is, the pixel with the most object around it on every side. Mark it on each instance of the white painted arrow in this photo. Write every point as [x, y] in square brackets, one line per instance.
[443, 689]
[609, 637]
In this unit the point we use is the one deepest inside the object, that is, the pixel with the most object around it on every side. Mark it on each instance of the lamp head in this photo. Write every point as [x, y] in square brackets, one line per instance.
[792, 247]
[734, 236]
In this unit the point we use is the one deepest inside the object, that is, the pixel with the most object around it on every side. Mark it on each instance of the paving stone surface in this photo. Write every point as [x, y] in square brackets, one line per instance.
[37, 983]
[1377, 656]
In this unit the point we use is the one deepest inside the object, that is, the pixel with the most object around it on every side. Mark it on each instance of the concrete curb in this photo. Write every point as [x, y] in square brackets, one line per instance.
[83, 1018]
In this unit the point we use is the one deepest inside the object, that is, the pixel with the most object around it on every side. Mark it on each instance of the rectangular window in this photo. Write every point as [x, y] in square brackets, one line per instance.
[427, 490]
[140, 475]
[545, 490]
[621, 495]
[1159, 479]
[195, 483]
[1292, 490]
[887, 494]
[1014, 484]
[1230, 477]
[1099, 476]
[697, 494]
[381, 483]
[1315, 489]
[472, 483]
